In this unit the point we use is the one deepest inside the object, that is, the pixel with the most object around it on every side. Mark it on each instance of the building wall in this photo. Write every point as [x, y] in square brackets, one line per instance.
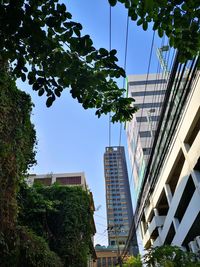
[118, 200]
[61, 178]
[105, 258]
[148, 95]
[172, 215]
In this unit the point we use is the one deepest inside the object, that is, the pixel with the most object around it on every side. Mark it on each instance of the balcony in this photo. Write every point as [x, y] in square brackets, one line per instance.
[156, 222]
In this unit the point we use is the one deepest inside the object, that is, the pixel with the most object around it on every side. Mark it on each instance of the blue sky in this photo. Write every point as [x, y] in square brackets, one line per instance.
[71, 139]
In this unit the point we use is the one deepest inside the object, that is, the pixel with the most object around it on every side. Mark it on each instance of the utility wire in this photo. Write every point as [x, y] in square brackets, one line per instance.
[100, 216]
[137, 138]
[110, 40]
[125, 61]
[124, 252]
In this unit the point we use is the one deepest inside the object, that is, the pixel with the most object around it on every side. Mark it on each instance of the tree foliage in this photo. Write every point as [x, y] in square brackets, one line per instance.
[170, 256]
[29, 250]
[44, 45]
[133, 261]
[17, 139]
[62, 215]
[178, 19]
[18, 246]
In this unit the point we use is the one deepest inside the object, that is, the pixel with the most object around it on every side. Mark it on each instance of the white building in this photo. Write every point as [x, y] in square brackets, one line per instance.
[168, 204]
[148, 93]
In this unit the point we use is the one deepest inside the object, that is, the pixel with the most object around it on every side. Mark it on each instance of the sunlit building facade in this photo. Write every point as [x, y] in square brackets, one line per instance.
[148, 93]
[118, 199]
[168, 201]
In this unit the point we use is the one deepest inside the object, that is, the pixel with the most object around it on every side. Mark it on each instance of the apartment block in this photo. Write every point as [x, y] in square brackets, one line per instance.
[118, 199]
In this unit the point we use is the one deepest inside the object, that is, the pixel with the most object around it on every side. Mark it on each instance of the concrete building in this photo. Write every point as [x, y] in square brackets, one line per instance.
[148, 95]
[70, 179]
[168, 202]
[118, 199]
[106, 256]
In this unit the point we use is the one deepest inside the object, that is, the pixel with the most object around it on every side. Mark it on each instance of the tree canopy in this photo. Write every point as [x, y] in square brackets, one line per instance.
[170, 256]
[62, 215]
[44, 45]
[178, 19]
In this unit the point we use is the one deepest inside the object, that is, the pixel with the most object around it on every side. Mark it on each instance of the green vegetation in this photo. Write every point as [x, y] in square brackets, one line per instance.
[164, 256]
[42, 43]
[132, 261]
[178, 19]
[63, 217]
[170, 256]
[16, 154]
[39, 226]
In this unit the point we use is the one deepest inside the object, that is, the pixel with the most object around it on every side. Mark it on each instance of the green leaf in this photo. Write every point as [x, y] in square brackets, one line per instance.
[139, 22]
[49, 101]
[160, 32]
[103, 52]
[145, 25]
[23, 77]
[113, 52]
[77, 31]
[57, 92]
[41, 92]
[171, 41]
[112, 2]
[132, 14]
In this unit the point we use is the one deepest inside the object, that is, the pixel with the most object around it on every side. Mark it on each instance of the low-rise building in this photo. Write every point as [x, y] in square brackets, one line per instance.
[106, 256]
[71, 179]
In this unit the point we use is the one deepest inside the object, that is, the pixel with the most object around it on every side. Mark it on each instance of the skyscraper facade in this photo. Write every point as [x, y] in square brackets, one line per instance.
[148, 95]
[118, 199]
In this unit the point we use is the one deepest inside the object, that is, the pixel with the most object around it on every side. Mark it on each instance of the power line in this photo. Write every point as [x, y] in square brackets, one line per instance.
[148, 69]
[110, 39]
[132, 228]
[100, 216]
[125, 61]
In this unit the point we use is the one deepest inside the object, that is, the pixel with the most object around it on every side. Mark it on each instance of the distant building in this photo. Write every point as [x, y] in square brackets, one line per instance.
[70, 179]
[118, 199]
[106, 256]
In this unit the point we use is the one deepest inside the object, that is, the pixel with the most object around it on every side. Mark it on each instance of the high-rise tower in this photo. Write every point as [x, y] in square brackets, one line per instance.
[118, 199]
[148, 95]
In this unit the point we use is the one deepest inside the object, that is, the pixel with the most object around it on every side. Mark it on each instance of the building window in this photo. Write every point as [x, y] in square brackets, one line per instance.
[154, 118]
[148, 93]
[145, 134]
[146, 150]
[158, 81]
[141, 119]
[69, 180]
[44, 181]
[99, 262]
[149, 105]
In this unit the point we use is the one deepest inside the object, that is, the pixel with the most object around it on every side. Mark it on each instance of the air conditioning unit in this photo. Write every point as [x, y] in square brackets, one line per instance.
[197, 238]
[193, 246]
